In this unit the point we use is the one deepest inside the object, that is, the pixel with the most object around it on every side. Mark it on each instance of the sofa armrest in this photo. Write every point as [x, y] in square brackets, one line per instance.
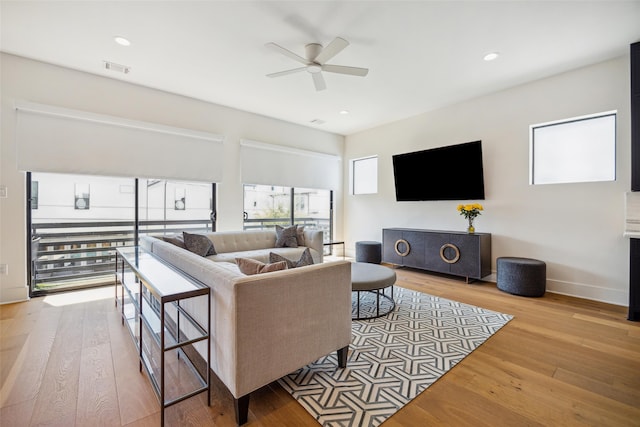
[288, 319]
[314, 239]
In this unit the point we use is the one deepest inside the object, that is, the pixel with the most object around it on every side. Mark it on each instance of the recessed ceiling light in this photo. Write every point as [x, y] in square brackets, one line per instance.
[122, 41]
[344, 112]
[491, 56]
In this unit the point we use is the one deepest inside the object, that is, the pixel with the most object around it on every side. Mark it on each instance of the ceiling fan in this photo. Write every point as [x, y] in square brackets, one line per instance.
[316, 61]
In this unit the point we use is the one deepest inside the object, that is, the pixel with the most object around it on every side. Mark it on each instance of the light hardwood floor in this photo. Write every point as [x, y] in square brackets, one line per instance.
[66, 360]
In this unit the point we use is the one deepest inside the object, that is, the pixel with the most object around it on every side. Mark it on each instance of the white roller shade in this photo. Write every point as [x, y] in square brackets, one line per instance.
[271, 164]
[54, 139]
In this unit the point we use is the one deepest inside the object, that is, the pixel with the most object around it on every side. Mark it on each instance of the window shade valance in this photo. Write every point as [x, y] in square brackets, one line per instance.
[55, 139]
[271, 164]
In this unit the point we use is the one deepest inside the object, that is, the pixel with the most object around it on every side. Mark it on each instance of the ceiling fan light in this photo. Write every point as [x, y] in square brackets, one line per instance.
[491, 56]
[122, 41]
[314, 68]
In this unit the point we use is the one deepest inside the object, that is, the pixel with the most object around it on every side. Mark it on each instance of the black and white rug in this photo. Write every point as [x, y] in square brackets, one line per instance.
[392, 359]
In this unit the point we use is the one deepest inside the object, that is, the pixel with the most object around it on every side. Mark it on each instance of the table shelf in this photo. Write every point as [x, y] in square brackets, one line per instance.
[150, 295]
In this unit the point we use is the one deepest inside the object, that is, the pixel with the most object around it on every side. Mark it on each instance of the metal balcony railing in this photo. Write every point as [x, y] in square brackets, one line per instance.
[267, 223]
[80, 254]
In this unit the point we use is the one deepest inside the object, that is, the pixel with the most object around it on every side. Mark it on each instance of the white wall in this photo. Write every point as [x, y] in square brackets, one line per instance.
[575, 228]
[26, 80]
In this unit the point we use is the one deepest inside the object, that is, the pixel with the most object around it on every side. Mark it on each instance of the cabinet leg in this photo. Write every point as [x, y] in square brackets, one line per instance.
[242, 409]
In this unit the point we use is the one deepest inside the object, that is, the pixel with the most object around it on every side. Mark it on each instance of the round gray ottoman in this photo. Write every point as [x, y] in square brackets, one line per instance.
[522, 276]
[368, 251]
[367, 277]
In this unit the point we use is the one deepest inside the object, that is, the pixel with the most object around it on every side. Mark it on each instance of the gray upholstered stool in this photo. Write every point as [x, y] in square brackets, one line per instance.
[367, 251]
[522, 276]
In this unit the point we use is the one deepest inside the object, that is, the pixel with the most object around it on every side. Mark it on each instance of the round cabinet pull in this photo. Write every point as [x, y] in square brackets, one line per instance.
[445, 259]
[406, 252]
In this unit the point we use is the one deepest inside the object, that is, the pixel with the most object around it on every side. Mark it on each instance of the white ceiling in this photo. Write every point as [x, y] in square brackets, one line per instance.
[422, 55]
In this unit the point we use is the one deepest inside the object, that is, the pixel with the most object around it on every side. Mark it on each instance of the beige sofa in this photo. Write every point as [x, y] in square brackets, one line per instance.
[268, 325]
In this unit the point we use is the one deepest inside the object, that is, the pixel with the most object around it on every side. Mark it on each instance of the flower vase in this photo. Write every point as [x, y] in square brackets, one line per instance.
[471, 229]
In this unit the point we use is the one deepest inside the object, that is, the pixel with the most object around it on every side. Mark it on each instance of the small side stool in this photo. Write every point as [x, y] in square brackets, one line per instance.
[368, 251]
[522, 276]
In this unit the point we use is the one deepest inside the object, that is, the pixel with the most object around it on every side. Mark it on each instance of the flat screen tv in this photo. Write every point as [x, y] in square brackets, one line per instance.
[453, 172]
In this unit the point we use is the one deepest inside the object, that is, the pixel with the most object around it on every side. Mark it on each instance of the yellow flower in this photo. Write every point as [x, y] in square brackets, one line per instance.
[460, 207]
[468, 207]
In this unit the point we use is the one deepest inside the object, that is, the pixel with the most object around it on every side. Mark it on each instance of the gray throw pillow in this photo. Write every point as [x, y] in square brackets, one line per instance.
[176, 240]
[198, 244]
[250, 266]
[305, 259]
[300, 235]
[287, 237]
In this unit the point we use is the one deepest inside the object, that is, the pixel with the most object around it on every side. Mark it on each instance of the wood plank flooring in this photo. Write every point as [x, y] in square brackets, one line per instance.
[66, 360]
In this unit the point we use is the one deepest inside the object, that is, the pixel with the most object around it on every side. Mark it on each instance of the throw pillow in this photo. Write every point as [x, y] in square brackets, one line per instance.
[305, 259]
[287, 237]
[300, 235]
[176, 240]
[198, 244]
[250, 266]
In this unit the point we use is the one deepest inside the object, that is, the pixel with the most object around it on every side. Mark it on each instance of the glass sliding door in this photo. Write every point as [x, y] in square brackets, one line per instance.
[170, 207]
[265, 206]
[312, 208]
[77, 221]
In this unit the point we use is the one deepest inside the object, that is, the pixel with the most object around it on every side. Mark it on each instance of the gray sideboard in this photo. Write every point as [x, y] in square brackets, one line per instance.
[449, 252]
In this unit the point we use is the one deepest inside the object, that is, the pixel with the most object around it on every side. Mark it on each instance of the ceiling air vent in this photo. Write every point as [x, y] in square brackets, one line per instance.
[116, 67]
[317, 122]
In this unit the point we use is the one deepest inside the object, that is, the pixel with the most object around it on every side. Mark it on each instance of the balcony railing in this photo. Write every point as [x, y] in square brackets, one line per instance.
[80, 254]
[267, 223]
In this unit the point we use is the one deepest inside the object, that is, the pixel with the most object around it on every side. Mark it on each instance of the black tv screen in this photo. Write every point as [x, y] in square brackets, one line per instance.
[453, 172]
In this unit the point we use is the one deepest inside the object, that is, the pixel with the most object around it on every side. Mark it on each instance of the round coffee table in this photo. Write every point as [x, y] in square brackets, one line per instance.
[372, 278]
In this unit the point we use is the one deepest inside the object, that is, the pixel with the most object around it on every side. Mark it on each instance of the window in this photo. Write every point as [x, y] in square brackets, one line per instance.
[581, 149]
[364, 175]
[266, 206]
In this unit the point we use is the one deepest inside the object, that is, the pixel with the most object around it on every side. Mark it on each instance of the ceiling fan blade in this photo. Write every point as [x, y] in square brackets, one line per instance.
[318, 81]
[332, 49]
[341, 69]
[284, 73]
[287, 52]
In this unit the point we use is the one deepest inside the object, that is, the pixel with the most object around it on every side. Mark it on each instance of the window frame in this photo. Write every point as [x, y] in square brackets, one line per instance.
[610, 173]
[353, 175]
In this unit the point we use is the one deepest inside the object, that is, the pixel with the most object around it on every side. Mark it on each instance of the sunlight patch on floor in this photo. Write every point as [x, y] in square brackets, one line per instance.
[79, 297]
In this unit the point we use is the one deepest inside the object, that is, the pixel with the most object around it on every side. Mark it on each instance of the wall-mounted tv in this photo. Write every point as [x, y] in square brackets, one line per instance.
[453, 172]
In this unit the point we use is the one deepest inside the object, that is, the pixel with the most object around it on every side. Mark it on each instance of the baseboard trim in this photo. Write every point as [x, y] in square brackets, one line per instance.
[12, 295]
[580, 290]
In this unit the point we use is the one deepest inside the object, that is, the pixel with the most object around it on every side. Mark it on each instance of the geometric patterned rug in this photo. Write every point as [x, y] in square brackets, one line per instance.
[391, 359]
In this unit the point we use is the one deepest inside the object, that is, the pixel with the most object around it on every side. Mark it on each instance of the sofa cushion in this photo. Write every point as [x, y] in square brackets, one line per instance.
[305, 259]
[286, 237]
[198, 244]
[250, 266]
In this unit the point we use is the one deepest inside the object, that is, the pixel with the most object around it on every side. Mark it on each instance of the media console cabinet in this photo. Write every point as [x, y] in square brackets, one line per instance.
[457, 253]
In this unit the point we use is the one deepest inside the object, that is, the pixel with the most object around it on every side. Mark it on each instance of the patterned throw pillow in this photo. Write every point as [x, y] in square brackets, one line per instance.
[305, 259]
[287, 237]
[250, 266]
[198, 244]
[300, 235]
